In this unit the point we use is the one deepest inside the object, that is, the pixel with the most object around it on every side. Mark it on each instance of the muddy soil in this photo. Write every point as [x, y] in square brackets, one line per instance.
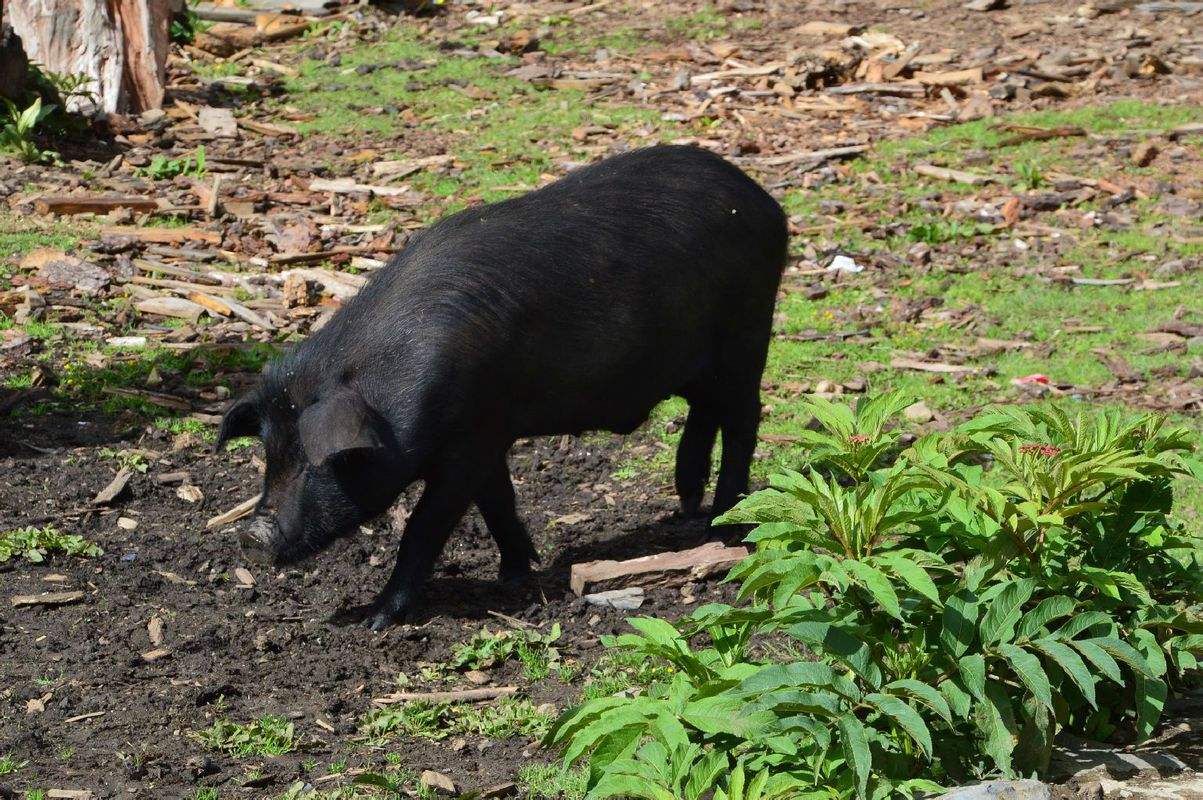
[84, 706]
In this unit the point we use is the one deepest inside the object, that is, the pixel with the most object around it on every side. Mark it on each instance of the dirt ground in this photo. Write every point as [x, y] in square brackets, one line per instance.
[174, 630]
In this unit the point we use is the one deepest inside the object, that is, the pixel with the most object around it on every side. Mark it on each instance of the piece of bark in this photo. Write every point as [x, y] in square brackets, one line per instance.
[48, 599]
[957, 77]
[955, 175]
[661, 569]
[399, 169]
[236, 513]
[114, 489]
[162, 235]
[70, 204]
[451, 696]
[171, 307]
[904, 89]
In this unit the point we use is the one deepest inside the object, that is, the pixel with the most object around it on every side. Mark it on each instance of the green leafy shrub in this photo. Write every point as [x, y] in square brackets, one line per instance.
[34, 544]
[17, 132]
[164, 168]
[919, 616]
[267, 736]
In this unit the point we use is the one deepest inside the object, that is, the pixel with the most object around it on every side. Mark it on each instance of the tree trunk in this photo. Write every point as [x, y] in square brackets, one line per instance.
[120, 44]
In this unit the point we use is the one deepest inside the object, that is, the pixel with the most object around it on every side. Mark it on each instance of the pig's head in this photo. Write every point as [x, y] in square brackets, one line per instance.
[331, 466]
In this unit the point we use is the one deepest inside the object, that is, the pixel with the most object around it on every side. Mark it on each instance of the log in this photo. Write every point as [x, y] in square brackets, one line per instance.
[658, 570]
[120, 44]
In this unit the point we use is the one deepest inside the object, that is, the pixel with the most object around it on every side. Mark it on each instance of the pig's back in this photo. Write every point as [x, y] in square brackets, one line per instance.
[584, 303]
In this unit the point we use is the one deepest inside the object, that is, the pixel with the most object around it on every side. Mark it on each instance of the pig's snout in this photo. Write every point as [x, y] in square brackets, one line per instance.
[260, 539]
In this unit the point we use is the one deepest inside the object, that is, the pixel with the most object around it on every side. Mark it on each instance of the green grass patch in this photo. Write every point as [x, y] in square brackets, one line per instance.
[551, 782]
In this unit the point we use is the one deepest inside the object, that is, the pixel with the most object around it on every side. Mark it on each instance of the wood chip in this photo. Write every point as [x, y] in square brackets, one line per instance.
[933, 366]
[217, 122]
[955, 175]
[70, 794]
[400, 169]
[82, 717]
[451, 696]
[437, 783]
[116, 486]
[819, 27]
[244, 576]
[349, 185]
[898, 88]
[154, 631]
[47, 599]
[661, 569]
[236, 513]
[159, 653]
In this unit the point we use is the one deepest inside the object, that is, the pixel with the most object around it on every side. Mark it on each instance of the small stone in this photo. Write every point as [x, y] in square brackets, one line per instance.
[918, 413]
[985, 5]
[475, 676]
[437, 782]
[627, 599]
[1000, 790]
[1144, 153]
[126, 524]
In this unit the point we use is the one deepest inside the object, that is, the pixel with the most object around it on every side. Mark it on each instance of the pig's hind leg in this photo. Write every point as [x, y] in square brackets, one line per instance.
[693, 452]
[495, 499]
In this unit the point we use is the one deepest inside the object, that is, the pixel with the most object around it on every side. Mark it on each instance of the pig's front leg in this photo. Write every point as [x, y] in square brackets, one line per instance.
[443, 503]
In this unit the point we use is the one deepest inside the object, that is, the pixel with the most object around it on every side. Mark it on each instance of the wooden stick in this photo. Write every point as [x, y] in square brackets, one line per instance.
[454, 696]
[234, 514]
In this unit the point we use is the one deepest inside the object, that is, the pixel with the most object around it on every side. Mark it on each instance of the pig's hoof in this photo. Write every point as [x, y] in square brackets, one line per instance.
[513, 574]
[378, 621]
[691, 505]
[383, 614]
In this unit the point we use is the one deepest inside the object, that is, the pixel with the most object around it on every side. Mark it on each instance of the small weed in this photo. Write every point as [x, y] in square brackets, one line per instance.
[487, 649]
[164, 168]
[939, 231]
[186, 25]
[34, 544]
[35, 794]
[206, 793]
[503, 719]
[132, 460]
[1030, 175]
[617, 670]
[16, 133]
[9, 764]
[267, 736]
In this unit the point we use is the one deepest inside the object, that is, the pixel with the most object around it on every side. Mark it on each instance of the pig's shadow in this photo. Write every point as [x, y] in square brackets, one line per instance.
[469, 598]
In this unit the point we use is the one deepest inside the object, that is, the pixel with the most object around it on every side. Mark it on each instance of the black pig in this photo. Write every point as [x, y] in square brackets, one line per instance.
[576, 307]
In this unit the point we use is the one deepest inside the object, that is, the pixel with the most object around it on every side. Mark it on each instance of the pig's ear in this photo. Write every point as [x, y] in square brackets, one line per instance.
[241, 419]
[339, 423]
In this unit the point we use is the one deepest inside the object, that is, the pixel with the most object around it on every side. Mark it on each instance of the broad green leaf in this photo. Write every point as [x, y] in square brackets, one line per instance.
[958, 699]
[1096, 655]
[1049, 609]
[1080, 622]
[855, 742]
[657, 630]
[914, 575]
[1071, 664]
[973, 674]
[924, 693]
[878, 585]
[606, 723]
[1005, 610]
[1122, 651]
[906, 717]
[617, 745]
[1151, 694]
[960, 622]
[627, 785]
[996, 720]
[727, 714]
[835, 642]
[1150, 648]
[1030, 672]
